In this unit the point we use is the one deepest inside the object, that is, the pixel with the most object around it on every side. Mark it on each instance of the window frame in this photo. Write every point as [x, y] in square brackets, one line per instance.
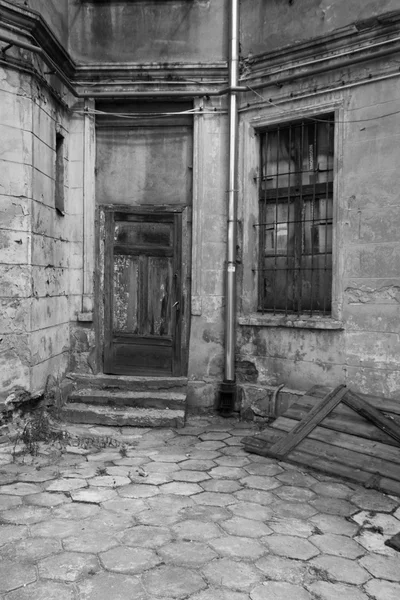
[288, 268]
[250, 127]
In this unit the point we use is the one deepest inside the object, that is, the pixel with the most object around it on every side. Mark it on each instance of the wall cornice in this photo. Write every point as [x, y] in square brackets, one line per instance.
[359, 42]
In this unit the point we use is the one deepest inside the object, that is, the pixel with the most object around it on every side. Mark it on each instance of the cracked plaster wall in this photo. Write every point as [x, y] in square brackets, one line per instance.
[153, 32]
[40, 250]
[303, 20]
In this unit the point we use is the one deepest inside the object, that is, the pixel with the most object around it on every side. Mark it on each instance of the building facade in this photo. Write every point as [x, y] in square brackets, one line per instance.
[114, 176]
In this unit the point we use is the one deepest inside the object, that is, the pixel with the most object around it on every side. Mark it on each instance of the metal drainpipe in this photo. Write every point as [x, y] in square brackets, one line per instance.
[228, 386]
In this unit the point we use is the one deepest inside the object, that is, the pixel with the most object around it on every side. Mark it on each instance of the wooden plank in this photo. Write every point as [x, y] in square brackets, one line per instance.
[321, 451]
[312, 419]
[387, 405]
[261, 444]
[372, 414]
[349, 423]
[345, 440]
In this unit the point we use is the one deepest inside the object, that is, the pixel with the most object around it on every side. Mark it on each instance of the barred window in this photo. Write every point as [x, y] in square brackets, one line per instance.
[296, 208]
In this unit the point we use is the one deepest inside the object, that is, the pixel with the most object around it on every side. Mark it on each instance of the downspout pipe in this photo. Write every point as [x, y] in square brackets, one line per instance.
[228, 387]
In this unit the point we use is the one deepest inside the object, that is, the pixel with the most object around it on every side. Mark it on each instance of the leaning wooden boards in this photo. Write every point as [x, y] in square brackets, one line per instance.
[339, 432]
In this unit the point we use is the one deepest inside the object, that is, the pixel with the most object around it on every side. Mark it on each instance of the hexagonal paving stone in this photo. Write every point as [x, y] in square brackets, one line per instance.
[111, 586]
[14, 575]
[197, 465]
[238, 547]
[245, 527]
[43, 590]
[373, 500]
[198, 531]
[47, 499]
[26, 515]
[76, 510]
[90, 541]
[263, 470]
[294, 494]
[162, 467]
[260, 483]
[383, 590]
[7, 502]
[333, 506]
[251, 510]
[340, 569]
[227, 472]
[172, 456]
[93, 495]
[297, 478]
[338, 545]
[66, 485]
[68, 566]
[152, 478]
[131, 506]
[175, 582]
[205, 513]
[386, 524]
[374, 541]
[191, 554]
[190, 476]
[30, 549]
[232, 461]
[236, 575]
[324, 590]
[129, 560]
[136, 490]
[291, 547]
[292, 527]
[180, 488]
[280, 568]
[258, 496]
[214, 498]
[214, 436]
[58, 528]
[292, 510]
[279, 590]
[334, 524]
[183, 441]
[107, 520]
[109, 481]
[386, 567]
[147, 536]
[215, 593]
[333, 490]
[210, 445]
[20, 489]
[10, 533]
[221, 485]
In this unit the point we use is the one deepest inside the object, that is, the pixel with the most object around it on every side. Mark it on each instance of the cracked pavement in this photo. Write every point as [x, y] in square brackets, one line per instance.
[188, 514]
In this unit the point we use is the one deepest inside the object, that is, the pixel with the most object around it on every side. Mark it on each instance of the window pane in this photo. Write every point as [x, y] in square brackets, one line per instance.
[296, 209]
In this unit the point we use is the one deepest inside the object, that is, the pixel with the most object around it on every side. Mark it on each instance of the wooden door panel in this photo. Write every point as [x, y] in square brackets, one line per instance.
[143, 293]
[143, 356]
[125, 289]
[159, 305]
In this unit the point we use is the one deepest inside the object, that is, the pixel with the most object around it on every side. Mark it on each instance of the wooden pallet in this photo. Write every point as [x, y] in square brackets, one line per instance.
[338, 432]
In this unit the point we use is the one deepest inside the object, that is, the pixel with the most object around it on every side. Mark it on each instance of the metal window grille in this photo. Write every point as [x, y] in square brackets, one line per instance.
[296, 208]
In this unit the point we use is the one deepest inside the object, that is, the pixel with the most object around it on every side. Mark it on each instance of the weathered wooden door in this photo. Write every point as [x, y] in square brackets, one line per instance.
[143, 293]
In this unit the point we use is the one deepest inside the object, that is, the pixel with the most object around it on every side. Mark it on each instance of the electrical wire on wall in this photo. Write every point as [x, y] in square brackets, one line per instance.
[154, 115]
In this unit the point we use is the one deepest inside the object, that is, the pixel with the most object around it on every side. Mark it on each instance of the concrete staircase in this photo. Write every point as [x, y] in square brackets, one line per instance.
[123, 401]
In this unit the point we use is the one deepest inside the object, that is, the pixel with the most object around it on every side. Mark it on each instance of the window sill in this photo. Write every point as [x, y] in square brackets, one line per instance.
[302, 322]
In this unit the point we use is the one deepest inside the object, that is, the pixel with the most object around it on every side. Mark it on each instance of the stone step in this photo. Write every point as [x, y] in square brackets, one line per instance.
[132, 383]
[126, 398]
[123, 417]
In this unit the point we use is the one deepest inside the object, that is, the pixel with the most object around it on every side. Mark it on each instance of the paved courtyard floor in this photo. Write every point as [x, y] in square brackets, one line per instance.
[187, 514]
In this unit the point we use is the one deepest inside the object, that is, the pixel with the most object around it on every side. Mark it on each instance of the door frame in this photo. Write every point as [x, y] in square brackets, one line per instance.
[182, 215]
